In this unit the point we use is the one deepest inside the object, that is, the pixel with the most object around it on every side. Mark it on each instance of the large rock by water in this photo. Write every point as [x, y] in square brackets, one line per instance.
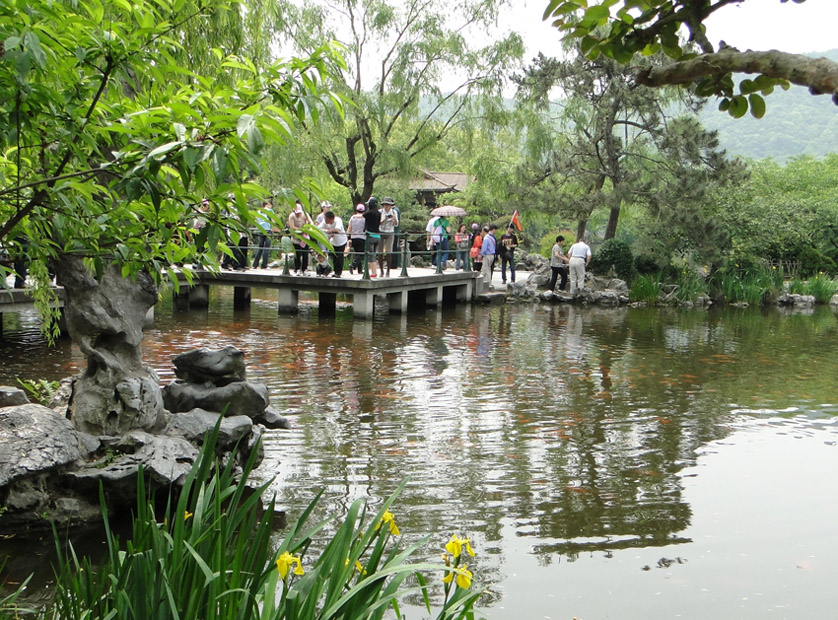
[239, 398]
[35, 439]
[218, 367]
[196, 424]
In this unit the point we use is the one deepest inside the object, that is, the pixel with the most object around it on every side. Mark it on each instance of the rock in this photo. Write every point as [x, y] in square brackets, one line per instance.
[271, 418]
[61, 399]
[546, 296]
[105, 406]
[165, 461]
[804, 301]
[703, 300]
[617, 285]
[194, 426]
[607, 298]
[12, 396]
[539, 279]
[834, 301]
[218, 367]
[35, 439]
[239, 398]
[518, 289]
[491, 297]
[105, 317]
[418, 261]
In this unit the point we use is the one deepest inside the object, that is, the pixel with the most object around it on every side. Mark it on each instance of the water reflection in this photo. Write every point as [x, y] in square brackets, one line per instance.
[547, 433]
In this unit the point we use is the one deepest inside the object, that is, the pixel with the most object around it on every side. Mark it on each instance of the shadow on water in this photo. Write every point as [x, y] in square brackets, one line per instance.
[547, 432]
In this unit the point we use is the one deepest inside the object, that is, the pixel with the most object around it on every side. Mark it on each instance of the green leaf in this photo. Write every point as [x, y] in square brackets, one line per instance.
[163, 149]
[757, 105]
[738, 106]
[244, 124]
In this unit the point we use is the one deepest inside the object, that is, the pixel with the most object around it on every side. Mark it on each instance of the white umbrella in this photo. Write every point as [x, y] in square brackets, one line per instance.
[448, 211]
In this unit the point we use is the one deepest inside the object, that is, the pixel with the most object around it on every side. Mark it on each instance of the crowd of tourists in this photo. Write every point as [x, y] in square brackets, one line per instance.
[373, 230]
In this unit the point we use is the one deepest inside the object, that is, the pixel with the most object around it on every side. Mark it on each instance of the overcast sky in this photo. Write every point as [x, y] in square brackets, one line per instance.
[755, 24]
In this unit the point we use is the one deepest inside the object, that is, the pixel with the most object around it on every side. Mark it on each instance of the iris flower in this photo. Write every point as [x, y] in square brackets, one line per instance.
[388, 519]
[456, 544]
[463, 578]
[284, 563]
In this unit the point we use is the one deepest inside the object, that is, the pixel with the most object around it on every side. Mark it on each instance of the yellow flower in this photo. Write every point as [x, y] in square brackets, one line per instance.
[390, 520]
[463, 577]
[359, 567]
[284, 563]
[186, 515]
[455, 546]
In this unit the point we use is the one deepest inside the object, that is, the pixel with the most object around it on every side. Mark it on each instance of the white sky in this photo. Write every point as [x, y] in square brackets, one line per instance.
[755, 24]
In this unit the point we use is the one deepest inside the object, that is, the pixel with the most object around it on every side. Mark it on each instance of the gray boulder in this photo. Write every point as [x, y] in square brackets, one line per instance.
[12, 396]
[271, 418]
[165, 461]
[194, 426]
[35, 439]
[617, 285]
[218, 367]
[239, 398]
[834, 301]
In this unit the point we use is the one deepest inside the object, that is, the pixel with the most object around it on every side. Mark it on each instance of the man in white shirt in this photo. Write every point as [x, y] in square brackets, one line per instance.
[580, 256]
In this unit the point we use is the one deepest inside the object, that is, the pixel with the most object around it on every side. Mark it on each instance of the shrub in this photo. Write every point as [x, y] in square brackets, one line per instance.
[614, 253]
[645, 265]
[813, 262]
[690, 285]
[546, 243]
[736, 284]
[646, 288]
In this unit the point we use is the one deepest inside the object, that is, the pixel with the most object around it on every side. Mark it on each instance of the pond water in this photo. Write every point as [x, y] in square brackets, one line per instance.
[618, 463]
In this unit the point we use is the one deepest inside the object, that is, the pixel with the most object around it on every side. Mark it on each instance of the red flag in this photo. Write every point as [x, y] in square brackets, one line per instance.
[516, 221]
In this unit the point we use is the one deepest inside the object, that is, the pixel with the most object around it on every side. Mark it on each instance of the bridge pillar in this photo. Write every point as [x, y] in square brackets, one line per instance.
[363, 304]
[463, 291]
[241, 297]
[327, 303]
[433, 296]
[288, 300]
[398, 302]
[199, 296]
[180, 298]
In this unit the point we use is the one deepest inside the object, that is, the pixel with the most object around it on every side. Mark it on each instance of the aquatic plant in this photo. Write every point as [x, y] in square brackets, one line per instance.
[646, 288]
[212, 556]
[40, 391]
[821, 287]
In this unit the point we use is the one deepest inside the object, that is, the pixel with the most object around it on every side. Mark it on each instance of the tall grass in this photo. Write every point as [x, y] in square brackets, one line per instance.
[753, 285]
[210, 557]
[646, 288]
[821, 287]
[690, 285]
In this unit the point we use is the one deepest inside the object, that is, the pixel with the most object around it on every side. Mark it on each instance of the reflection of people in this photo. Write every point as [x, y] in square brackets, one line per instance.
[487, 251]
[580, 256]
[558, 265]
[508, 244]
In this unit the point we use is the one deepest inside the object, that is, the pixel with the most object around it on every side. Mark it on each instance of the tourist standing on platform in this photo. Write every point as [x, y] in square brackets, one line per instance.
[487, 251]
[558, 265]
[580, 256]
[508, 243]
[429, 237]
[476, 242]
[389, 222]
[357, 237]
[333, 226]
[439, 237]
[263, 238]
[463, 241]
[324, 206]
[372, 216]
[296, 220]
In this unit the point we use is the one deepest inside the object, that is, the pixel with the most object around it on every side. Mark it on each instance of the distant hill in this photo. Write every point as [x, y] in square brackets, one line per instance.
[795, 123]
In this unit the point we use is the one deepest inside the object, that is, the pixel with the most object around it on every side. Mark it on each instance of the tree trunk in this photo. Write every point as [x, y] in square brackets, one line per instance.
[580, 228]
[613, 217]
[116, 392]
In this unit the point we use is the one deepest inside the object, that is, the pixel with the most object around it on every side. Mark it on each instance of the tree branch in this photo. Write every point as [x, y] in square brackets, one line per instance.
[819, 75]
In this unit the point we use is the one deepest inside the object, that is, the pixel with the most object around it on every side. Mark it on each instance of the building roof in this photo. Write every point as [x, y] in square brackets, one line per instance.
[441, 182]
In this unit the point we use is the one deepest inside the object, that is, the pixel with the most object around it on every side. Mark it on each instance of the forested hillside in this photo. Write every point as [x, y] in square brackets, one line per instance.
[795, 123]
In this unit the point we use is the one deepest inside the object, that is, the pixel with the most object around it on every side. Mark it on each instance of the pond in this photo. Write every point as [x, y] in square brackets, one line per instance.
[606, 463]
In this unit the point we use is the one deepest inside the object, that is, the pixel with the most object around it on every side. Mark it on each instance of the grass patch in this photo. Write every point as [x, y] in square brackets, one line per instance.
[646, 288]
